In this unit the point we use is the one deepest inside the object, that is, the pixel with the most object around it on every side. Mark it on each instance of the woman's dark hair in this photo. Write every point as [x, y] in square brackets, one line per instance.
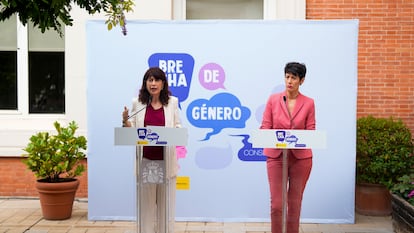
[158, 74]
[296, 68]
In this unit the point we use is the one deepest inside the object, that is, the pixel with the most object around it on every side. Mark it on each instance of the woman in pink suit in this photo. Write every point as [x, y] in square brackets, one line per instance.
[289, 110]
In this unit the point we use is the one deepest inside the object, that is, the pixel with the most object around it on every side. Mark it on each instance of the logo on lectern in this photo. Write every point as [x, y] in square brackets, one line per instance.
[148, 136]
[142, 133]
[286, 138]
[280, 136]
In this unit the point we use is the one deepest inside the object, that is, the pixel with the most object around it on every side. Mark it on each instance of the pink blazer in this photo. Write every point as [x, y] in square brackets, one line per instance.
[276, 116]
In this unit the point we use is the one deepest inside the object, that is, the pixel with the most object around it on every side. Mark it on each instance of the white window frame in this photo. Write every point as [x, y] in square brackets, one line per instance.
[273, 9]
[16, 126]
[22, 69]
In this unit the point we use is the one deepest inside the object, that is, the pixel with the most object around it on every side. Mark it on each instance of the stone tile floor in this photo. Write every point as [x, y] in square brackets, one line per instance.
[22, 215]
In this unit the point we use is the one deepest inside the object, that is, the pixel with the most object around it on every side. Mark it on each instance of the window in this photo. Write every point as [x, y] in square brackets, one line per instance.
[46, 82]
[239, 9]
[224, 9]
[8, 67]
[46, 71]
[8, 80]
[35, 60]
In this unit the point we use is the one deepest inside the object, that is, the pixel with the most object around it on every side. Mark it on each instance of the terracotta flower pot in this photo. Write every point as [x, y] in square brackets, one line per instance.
[56, 199]
[372, 200]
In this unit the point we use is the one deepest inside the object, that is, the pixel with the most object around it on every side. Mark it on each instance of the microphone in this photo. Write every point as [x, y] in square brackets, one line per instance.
[140, 110]
[135, 113]
[290, 116]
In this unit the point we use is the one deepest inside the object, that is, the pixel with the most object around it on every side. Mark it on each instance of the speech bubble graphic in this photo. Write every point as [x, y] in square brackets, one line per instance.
[291, 139]
[213, 158]
[223, 110]
[247, 152]
[211, 76]
[179, 70]
[181, 152]
[261, 108]
[153, 136]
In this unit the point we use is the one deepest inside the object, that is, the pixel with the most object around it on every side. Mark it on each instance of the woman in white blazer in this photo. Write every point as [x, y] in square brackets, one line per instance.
[159, 108]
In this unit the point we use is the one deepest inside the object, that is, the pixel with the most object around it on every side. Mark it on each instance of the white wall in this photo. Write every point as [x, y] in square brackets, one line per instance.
[17, 126]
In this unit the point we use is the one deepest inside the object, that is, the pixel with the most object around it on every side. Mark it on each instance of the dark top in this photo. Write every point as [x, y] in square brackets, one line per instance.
[155, 118]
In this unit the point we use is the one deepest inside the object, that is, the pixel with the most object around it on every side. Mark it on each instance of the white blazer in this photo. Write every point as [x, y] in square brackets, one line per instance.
[172, 120]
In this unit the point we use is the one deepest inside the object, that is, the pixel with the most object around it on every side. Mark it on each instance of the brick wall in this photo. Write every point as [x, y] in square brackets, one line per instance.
[385, 53]
[17, 181]
[385, 72]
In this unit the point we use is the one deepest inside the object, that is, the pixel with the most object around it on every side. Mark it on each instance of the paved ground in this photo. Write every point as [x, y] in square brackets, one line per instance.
[24, 216]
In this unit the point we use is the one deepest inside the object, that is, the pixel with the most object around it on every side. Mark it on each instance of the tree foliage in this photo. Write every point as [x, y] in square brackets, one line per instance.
[47, 14]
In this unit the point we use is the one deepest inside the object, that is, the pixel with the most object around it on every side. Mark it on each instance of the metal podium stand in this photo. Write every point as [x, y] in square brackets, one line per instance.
[287, 140]
[154, 172]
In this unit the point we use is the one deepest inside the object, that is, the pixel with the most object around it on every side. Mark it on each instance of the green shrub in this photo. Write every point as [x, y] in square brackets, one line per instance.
[405, 188]
[56, 158]
[384, 151]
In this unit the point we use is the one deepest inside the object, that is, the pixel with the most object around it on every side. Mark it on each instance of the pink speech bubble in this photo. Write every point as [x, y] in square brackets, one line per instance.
[181, 152]
[212, 76]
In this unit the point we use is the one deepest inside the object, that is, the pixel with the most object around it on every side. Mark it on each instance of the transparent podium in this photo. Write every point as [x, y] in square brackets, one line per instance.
[154, 174]
[287, 140]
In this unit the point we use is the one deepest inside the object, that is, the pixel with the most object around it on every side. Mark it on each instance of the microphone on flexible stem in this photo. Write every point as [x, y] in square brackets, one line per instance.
[284, 176]
[290, 116]
[135, 113]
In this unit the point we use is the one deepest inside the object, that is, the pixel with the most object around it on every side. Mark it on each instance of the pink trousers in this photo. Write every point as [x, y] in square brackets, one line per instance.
[298, 174]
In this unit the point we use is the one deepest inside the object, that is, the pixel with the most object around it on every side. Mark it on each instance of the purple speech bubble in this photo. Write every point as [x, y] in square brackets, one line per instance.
[212, 76]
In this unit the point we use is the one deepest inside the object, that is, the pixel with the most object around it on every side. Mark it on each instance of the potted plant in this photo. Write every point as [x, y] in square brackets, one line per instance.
[403, 204]
[383, 154]
[56, 161]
